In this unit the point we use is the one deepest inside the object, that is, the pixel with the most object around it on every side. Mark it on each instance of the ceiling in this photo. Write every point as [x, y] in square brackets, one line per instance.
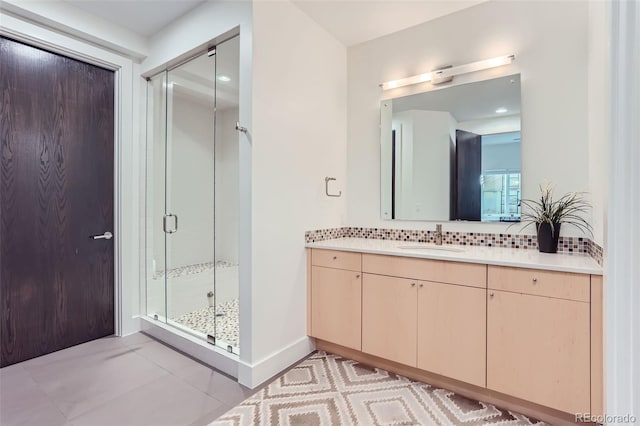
[356, 21]
[350, 21]
[143, 17]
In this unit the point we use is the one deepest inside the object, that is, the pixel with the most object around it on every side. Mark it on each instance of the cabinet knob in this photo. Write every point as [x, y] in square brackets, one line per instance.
[492, 294]
[535, 280]
[335, 257]
[421, 285]
[413, 284]
[358, 276]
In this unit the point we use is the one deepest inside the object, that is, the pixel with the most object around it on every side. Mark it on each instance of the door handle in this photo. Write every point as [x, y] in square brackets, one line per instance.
[106, 236]
[164, 223]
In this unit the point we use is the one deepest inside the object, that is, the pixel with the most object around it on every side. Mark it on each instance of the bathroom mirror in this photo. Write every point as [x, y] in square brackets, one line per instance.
[453, 153]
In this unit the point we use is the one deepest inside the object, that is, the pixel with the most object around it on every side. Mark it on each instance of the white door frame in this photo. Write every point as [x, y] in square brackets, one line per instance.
[126, 155]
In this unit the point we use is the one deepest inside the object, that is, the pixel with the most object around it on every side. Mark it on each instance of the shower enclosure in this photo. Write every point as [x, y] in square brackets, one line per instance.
[192, 196]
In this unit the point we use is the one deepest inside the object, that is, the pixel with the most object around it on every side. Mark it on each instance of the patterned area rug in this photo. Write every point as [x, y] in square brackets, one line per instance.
[327, 389]
[221, 321]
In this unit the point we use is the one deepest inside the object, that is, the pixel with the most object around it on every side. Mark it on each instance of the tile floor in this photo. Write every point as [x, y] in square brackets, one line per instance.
[129, 381]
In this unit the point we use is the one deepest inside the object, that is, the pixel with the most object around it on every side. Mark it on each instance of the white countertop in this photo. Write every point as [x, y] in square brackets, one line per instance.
[520, 258]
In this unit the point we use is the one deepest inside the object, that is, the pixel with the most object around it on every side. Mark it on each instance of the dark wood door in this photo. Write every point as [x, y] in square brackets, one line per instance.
[468, 172]
[56, 191]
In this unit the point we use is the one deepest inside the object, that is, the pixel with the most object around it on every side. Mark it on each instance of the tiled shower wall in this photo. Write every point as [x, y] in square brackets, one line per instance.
[516, 241]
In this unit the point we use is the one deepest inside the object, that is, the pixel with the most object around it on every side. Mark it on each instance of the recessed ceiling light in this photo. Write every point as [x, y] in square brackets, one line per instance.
[222, 77]
[501, 110]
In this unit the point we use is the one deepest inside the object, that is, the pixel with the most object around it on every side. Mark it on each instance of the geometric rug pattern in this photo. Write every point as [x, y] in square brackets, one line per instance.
[327, 389]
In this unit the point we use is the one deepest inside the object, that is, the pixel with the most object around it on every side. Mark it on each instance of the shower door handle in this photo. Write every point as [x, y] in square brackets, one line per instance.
[164, 223]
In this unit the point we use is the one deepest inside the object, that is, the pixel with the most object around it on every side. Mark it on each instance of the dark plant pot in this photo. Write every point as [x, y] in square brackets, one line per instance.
[548, 238]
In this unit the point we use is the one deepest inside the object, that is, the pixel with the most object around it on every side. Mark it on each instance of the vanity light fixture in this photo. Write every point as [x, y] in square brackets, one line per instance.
[501, 110]
[224, 78]
[443, 75]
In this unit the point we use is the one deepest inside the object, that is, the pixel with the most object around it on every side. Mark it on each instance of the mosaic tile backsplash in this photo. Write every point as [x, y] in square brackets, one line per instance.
[516, 241]
[596, 252]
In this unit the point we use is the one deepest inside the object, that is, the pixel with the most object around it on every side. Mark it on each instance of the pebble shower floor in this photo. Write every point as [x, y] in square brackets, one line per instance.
[221, 321]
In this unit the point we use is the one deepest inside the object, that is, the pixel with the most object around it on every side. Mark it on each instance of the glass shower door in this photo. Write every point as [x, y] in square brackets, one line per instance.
[189, 196]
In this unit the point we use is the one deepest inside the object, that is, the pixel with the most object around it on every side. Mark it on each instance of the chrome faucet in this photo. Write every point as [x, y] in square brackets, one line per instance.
[438, 234]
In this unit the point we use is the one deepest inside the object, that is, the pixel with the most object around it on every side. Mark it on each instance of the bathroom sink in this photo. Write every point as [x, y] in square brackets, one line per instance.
[438, 248]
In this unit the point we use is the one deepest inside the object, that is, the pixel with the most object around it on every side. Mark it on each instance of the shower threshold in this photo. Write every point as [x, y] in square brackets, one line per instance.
[188, 343]
[201, 336]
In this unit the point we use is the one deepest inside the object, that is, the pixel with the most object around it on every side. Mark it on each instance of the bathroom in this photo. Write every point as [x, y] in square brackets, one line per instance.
[306, 90]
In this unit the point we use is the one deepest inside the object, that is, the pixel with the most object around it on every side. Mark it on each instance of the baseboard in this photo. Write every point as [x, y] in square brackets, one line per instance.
[131, 326]
[253, 375]
[197, 348]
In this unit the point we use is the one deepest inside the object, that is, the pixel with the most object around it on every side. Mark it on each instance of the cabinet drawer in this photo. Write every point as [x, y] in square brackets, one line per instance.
[562, 285]
[337, 259]
[443, 271]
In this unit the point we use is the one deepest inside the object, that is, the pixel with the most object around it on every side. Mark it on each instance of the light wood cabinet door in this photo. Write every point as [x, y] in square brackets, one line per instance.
[538, 349]
[336, 306]
[389, 318]
[452, 331]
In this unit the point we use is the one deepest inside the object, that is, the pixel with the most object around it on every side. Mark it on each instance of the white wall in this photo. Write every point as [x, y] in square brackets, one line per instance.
[550, 43]
[298, 138]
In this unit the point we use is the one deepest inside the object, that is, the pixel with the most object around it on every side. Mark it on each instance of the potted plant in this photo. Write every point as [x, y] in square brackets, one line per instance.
[548, 215]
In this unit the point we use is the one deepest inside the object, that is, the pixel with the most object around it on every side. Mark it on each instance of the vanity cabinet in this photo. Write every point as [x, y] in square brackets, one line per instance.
[495, 333]
[336, 294]
[390, 318]
[436, 325]
[452, 331]
[538, 337]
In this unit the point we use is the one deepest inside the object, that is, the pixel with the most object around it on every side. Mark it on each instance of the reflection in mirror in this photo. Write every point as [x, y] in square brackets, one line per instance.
[453, 153]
